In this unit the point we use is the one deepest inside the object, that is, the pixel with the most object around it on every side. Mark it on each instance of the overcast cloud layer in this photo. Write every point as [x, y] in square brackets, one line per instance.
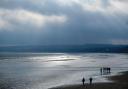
[25, 22]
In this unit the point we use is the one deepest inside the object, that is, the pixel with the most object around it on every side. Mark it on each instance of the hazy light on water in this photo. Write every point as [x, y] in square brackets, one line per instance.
[48, 70]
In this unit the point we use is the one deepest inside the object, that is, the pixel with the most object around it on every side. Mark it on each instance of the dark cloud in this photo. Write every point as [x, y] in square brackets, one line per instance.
[100, 23]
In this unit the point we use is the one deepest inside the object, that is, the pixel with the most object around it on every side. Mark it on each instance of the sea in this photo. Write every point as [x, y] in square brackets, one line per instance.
[47, 70]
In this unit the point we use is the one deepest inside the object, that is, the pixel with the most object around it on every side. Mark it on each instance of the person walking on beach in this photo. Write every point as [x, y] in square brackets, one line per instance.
[83, 80]
[101, 71]
[90, 79]
[109, 70]
[104, 70]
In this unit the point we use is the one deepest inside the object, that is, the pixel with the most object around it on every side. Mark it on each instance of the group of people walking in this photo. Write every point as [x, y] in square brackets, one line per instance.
[103, 70]
[90, 79]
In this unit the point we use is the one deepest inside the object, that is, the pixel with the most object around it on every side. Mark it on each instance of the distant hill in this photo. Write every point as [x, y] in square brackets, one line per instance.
[97, 48]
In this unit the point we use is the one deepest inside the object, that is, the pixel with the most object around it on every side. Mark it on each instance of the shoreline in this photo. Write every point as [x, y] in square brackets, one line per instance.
[120, 81]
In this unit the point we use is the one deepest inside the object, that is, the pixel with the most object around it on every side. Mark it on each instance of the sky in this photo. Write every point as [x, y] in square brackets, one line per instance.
[63, 22]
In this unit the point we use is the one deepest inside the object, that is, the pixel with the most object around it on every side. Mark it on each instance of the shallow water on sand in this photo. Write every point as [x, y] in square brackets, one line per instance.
[45, 70]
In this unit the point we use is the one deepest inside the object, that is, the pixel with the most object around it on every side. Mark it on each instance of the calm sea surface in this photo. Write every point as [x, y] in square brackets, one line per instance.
[45, 70]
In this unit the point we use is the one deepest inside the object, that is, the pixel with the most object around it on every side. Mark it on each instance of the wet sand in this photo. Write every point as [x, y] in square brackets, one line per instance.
[119, 82]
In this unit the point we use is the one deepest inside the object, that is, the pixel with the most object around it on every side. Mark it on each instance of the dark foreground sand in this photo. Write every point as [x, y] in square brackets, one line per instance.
[120, 82]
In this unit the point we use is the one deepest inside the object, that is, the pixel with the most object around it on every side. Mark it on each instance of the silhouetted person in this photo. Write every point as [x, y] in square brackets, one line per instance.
[101, 71]
[104, 70]
[83, 80]
[90, 79]
[109, 70]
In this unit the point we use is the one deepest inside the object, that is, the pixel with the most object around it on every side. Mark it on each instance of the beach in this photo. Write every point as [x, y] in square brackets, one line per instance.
[119, 82]
[48, 70]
